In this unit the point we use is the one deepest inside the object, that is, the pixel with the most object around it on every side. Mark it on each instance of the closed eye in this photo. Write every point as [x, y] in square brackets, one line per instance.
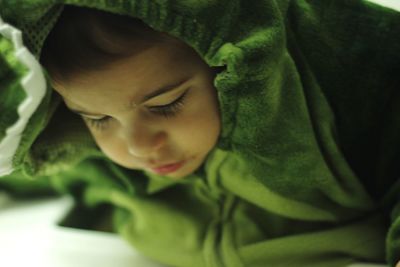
[167, 111]
[98, 124]
[170, 109]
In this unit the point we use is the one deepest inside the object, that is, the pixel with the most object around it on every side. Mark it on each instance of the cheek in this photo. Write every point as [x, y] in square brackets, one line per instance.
[108, 146]
[113, 149]
[200, 128]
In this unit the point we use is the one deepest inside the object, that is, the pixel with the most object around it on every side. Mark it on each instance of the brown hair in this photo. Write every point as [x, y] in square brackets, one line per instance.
[86, 39]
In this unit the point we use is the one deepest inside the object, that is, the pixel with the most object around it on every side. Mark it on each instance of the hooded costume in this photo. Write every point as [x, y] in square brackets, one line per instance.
[306, 169]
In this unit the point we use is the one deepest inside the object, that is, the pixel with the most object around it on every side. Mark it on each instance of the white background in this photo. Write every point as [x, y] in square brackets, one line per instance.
[390, 3]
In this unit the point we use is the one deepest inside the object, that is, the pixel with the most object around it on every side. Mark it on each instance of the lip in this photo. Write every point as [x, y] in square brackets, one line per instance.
[169, 168]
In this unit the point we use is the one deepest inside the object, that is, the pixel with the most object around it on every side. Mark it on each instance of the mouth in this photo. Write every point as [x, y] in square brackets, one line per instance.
[169, 168]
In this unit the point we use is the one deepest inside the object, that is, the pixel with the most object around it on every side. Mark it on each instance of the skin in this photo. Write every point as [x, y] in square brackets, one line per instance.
[136, 134]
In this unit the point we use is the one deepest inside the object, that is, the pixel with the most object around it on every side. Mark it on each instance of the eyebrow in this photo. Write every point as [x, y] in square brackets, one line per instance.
[157, 92]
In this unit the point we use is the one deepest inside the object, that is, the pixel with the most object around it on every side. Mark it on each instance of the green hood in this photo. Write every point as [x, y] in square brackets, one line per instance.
[308, 102]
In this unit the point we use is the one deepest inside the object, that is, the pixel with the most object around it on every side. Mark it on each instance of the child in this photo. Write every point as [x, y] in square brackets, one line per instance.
[226, 133]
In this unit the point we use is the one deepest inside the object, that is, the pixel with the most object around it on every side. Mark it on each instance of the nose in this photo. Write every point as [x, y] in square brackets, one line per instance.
[143, 141]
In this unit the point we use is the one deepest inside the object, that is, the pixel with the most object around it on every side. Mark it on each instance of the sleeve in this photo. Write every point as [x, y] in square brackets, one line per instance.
[19, 185]
[311, 99]
[387, 181]
[359, 44]
[393, 237]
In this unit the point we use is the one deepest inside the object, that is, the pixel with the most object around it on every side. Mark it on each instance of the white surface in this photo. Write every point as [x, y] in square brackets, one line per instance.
[395, 4]
[30, 237]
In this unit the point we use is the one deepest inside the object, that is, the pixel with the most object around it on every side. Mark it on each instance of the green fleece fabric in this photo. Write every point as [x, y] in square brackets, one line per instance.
[306, 170]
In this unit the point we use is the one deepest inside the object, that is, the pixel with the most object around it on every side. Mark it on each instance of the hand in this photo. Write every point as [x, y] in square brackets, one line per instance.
[398, 264]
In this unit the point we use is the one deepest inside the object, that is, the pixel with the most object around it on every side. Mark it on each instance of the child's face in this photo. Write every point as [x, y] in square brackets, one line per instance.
[138, 130]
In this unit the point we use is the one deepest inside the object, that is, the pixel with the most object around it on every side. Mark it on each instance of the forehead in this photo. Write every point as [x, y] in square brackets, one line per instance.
[130, 78]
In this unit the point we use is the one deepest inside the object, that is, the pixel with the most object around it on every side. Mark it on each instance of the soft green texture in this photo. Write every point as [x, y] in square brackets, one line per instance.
[306, 169]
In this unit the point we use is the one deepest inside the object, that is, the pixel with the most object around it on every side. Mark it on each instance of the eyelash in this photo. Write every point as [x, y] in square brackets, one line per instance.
[167, 111]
